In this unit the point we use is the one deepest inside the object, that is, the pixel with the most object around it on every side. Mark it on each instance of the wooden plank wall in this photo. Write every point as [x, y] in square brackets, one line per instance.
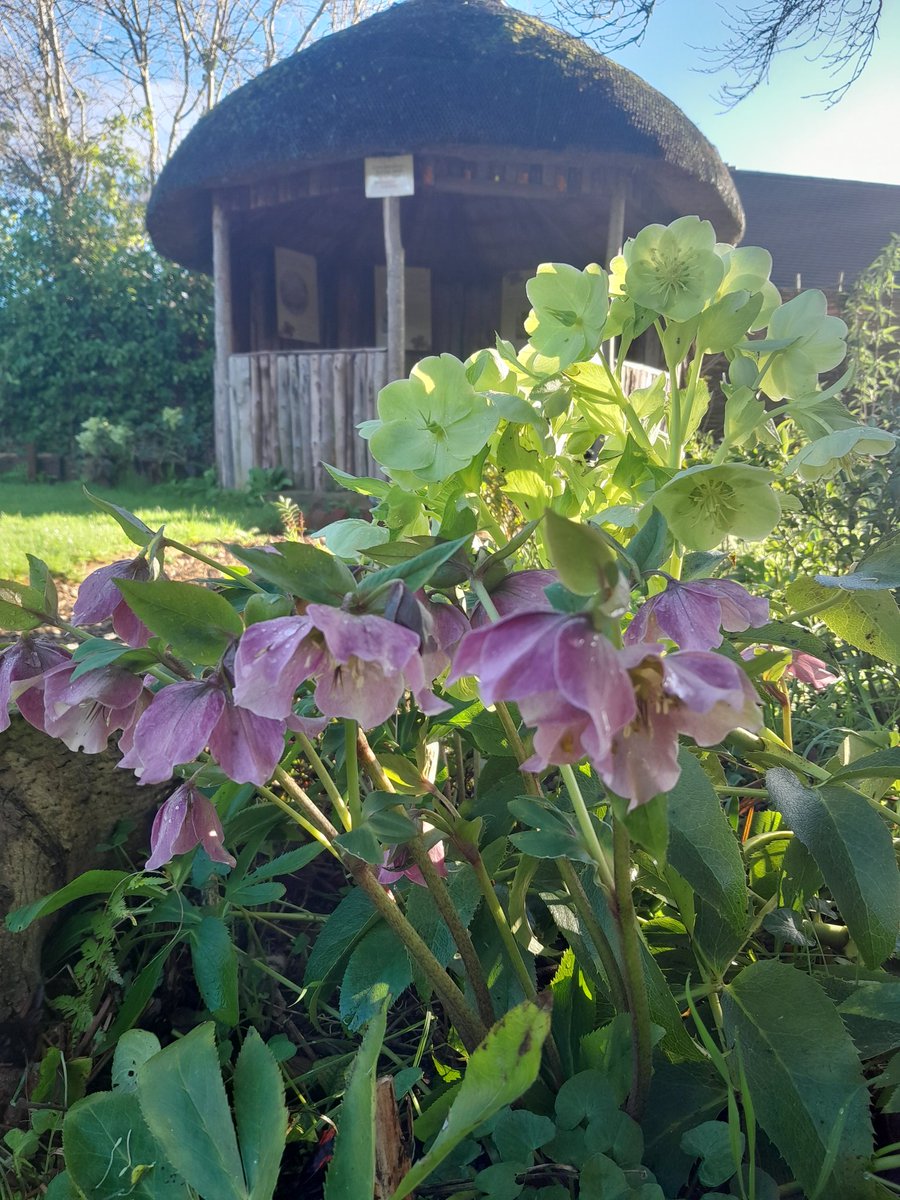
[298, 409]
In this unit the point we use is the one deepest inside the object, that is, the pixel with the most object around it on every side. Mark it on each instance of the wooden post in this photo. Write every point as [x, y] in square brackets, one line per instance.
[615, 240]
[221, 246]
[396, 289]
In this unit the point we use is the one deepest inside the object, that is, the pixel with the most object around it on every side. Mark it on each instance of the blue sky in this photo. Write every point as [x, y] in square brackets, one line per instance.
[775, 129]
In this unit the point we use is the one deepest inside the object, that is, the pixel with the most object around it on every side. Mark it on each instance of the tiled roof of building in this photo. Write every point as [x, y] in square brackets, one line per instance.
[827, 231]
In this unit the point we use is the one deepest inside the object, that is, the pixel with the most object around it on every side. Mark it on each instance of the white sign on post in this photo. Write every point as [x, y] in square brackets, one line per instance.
[390, 177]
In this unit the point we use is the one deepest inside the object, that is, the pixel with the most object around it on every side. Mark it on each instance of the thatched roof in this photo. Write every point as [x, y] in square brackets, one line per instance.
[431, 74]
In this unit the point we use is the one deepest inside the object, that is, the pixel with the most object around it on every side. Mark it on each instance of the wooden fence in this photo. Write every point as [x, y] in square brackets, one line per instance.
[296, 410]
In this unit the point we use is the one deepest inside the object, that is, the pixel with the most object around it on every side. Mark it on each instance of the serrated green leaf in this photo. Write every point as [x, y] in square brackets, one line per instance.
[260, 1114]
[133, 527]
[301, 569]
[499, 1070]
[183, 1101]
[803, 1074]
[106, 1141]
[883, 764]
[870, 621]
[351, 1174]
[418, 570]
[41, 581]
[214, 960]
[852, 848]
[344, 927]
[703, 848]
[193, 620]
[378, 971]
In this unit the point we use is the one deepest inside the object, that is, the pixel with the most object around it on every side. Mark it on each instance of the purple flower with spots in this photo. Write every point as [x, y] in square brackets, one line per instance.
[692, 692]
[187, 819]
[566, 678]
[522, 591]
[183, 719]
[693, 614]
[806, 668]
[83, 712]
[99, 598]
[23, 666]
[361, 664]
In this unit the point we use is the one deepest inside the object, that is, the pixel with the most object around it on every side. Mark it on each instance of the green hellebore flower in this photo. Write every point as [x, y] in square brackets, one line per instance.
[818, 344]
[826, 456]
[674, 269]
[569, 311]
[431, 425]
[703, 505]
[747, 269]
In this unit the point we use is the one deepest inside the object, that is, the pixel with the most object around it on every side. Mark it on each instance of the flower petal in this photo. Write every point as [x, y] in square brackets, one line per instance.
[176, 727]
[273, 658]
[247, 747]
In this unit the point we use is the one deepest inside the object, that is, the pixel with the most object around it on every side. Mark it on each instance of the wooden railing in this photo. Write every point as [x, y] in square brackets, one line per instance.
[298, 409]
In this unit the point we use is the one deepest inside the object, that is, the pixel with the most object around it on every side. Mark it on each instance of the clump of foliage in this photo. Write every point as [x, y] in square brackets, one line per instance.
[95, 326]
[611, 932]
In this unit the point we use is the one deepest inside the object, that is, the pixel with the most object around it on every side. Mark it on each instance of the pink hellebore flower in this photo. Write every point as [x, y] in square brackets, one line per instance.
[806, 668]
[445, 626]
[362, 664]
[565, 677]
[692, 692]
[187, 819]
[184, 718]
[83, 712]
[693, 614]
[99, 598]
[23, 665]
[398, 865]
[522, 591]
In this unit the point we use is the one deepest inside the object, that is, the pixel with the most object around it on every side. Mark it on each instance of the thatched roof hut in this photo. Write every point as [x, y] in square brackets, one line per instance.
[527, 146]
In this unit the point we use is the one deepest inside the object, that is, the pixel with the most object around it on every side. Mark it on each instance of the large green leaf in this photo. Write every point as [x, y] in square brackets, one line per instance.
[379, 970]
[852, 848]
[301, 569]
[110, 1152]
[417, 571]
[883, 764]
[344, 927]
[183, 1100]
[215, 968]
[499, 1070]
[703, 848]
[193, 620]
[260, 1114]
[803, 1075]
[133, 527]
[351, 1174]
[869, 621]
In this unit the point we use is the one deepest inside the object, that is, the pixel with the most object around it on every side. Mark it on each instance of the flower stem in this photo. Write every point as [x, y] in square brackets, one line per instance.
[324, 777]
[588, 832]
[634, 978]
[596, 933]
[469, 1025]
[211, 562]
[351, 764]
[298, 818]
[299, 796]
[461, 936]
[486, 602]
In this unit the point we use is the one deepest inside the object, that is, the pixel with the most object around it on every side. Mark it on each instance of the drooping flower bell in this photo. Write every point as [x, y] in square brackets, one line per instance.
[398, 864]
[693, 614]
[806, 668]
[361, 662]
[692, 692]
[565, 677]
[23, 666]
[187, 819]
[83, 712]
[99, 598]
[182, 719]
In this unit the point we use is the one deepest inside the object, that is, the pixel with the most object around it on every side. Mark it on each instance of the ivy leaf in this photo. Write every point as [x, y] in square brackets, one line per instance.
[711, 1143]
[804, 1077]
[853, 849]
[194, 621]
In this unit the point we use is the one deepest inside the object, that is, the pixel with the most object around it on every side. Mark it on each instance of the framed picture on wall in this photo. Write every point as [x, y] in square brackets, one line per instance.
[297, 294]
[514, 306]
[418, 308]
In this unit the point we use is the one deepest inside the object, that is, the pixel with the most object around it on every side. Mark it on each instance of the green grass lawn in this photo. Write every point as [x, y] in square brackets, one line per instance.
[57, 522]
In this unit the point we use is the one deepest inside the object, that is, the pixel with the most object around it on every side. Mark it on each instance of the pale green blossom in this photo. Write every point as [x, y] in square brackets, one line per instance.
[814, 343]
[569, 310]
[673, 269]
[705, 504]
[826, 456]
